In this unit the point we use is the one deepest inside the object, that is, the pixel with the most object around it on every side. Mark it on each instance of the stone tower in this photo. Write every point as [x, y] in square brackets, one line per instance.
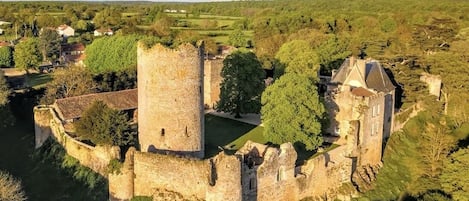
[170, 99]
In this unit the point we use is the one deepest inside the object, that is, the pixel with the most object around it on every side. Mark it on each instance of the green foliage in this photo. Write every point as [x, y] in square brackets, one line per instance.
[292, 111]
[142, 198]
[114, 166]
[68, 82]
[6, 56]
[104, 126]
[115, 81]
[49, 44]
[299, 58]
[237, 38]
[454, 178]
[27, 54]
[4, 90]
[10, 188]
[112, 53]
[242, 85]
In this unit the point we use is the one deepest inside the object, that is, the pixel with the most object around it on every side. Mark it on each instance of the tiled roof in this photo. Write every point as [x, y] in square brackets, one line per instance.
[375, 76]
[73, 47]
[73, 107]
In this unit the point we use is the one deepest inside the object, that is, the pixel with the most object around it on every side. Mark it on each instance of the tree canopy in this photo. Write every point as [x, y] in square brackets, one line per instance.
[242, 85]
[73, 81]
[6, 56]
[454, 178]
[112, 53]
[27, 54]
[104, 126]
[292, 111]
[49, 44]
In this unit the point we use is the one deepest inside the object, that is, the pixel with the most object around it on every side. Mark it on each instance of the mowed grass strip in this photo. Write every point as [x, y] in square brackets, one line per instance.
[228, 134]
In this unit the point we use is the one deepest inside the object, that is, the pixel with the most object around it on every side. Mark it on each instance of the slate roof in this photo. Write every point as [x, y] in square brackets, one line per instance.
[375, 76]
[73, 107]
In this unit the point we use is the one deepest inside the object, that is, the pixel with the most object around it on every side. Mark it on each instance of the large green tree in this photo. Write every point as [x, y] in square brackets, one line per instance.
[292, 111]
[298, 57]
[27, 54]
[454, 179]
[73, 81]
[49, 44]
[104, 126]
[242, 85]
[6, 56]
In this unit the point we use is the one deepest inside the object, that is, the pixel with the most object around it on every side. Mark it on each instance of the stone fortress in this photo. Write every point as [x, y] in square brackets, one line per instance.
[171, 163]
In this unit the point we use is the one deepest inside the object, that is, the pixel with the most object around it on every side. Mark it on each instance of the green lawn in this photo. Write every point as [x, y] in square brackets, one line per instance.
[228, 134]
[38, 80]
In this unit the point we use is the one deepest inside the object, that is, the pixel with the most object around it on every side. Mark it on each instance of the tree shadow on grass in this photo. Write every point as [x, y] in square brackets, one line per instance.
[219, 132]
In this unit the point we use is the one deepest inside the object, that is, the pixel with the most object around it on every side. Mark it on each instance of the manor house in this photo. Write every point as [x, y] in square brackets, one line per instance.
[171, 162]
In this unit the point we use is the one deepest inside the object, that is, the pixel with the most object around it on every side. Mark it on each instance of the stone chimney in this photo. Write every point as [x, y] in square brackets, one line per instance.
[362, 67]
[352, 61]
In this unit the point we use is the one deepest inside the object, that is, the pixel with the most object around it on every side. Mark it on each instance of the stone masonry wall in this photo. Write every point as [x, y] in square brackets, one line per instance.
[319, 177]
[212, 81]
[97, 158]
[170, 99]
[158, 172]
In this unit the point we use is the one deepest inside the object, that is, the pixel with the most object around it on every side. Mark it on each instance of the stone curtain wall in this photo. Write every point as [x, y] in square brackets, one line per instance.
[97, 158]
[321, 176]
[212, 81]
[276, 175]
[170, 99]
[153, 172]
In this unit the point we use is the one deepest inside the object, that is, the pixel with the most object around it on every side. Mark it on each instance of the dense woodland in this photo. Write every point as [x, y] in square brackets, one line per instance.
[296, 39]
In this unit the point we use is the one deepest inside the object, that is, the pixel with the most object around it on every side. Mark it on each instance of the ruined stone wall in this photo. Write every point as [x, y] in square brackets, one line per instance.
[212, 81]
[97, 158]
[42, 118]
[433, 82]
[322, 175]
[170, 90]
[276, 175]
[167, 173]
[224, 179]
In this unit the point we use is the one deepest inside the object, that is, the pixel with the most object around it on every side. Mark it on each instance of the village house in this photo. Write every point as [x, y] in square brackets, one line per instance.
[72, 53]
[65, 31]
[103, 32]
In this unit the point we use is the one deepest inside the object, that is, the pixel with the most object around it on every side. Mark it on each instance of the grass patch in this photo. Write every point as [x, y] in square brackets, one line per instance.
[38, 80]
[228, 134]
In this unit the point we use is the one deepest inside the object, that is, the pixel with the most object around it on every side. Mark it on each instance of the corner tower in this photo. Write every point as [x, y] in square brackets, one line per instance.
[170, 99]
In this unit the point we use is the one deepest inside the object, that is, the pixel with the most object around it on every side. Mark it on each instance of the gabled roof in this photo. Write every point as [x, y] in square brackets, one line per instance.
[73, 107]
[377, 78]
[363, 73]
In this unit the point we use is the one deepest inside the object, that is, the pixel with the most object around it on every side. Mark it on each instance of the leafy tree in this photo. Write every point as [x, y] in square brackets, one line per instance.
[10, 188]
[4, 90]
[242, 85]
[299, 58]
[73, 81]
[292, 111]
[115, 81]
[6, 56]
[104, 126]
[112, 53]
[49, 44]
[454, 178]
[27, 54]
[237, 38]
